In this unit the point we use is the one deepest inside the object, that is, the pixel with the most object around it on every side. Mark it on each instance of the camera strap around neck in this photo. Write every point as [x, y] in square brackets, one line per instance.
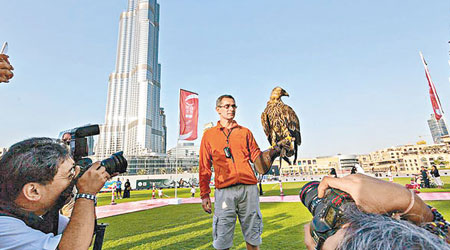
[227, 136]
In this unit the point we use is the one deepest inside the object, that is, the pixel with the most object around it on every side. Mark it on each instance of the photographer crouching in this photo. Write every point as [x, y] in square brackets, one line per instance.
[37, 177]
[362, 212]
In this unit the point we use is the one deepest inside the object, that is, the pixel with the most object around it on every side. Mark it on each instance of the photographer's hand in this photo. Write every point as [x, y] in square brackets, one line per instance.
[93, 179]
[377, 196]
[80, 229]
[5, 69]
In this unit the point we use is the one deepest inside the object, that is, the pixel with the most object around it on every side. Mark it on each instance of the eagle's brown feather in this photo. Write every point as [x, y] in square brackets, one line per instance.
[279, 121]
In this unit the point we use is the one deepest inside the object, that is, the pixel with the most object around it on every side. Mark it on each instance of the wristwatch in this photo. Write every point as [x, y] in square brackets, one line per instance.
[87, 196]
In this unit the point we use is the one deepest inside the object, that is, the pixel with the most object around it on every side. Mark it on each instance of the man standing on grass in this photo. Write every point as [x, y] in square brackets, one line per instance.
[230, 147]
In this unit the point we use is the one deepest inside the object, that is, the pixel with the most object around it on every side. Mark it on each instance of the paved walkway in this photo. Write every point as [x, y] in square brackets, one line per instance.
[129, 207]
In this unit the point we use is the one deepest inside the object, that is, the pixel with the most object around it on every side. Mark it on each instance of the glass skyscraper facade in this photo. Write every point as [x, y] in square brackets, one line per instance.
[437, 129]
[134, 120]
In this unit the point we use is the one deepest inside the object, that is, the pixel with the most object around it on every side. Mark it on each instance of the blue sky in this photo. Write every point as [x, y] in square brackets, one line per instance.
[352, 68]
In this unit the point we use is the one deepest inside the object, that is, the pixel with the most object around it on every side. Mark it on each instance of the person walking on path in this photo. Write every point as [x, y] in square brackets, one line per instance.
[230, 147]
[193, 191]
[436, 176]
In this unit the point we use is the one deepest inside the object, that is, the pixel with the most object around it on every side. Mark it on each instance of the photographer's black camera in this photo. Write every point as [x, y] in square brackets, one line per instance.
[327, 211]
[79, 149]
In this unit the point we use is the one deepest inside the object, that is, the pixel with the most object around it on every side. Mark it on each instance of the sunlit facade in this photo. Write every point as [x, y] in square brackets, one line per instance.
[437, 129]
[134, 120]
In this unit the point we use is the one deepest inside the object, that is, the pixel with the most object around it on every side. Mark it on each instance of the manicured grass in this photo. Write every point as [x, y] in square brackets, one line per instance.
[137, 195]
[445, 180]
[289, 188]
[188, 227]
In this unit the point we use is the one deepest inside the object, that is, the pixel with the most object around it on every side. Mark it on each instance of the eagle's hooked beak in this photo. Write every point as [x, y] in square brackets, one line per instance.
[284, 93]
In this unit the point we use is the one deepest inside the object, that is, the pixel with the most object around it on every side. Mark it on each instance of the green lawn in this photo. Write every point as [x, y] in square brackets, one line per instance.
[445, 180]
[137, 195]
[188, 227]
[289, 188]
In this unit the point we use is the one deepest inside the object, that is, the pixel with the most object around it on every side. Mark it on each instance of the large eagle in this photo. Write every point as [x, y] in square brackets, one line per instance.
[280, 122]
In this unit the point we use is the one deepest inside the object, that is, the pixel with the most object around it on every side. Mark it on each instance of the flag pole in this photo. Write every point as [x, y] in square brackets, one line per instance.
[176, 146]
[430, 82]
[176, 168]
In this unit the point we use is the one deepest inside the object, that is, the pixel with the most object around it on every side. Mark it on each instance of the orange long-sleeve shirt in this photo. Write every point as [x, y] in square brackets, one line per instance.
[228, 171]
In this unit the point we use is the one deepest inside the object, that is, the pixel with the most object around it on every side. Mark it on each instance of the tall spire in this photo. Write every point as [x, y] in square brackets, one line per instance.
[134, 120]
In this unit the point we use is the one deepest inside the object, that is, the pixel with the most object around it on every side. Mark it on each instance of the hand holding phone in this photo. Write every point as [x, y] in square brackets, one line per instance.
[4, 49]
[5, 67]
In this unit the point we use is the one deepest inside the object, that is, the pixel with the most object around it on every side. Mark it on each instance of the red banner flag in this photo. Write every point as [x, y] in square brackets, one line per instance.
[188, 115]
[437, 108]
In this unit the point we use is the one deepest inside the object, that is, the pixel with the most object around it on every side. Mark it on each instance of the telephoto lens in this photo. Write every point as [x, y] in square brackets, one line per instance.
[308, 196]
[115, 164]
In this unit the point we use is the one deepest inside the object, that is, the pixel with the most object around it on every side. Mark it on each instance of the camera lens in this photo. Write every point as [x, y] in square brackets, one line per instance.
[308, 196]
[115, 164]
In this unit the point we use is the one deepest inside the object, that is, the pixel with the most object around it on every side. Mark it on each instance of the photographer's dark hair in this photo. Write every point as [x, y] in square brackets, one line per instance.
[219, 100]
[31, 160]
[376, 231]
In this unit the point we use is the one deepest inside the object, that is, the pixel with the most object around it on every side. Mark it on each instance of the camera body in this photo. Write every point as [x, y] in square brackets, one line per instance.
[227, 152]
[327, 211]
[79, 150]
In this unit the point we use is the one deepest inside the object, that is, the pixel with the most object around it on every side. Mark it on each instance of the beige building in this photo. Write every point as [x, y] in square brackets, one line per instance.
[319, 165]
[407, 158]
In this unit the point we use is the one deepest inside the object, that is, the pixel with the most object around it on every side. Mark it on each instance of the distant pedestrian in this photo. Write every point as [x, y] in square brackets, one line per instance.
[193, 191]
[436, 176]
[353, 170]
[119, 189]
[425, 180]
[333, 172]
[160, 193]
[127, 189]
[389, 174]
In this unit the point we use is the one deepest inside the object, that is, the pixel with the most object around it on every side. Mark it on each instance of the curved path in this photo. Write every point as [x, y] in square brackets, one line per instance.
[129, 207]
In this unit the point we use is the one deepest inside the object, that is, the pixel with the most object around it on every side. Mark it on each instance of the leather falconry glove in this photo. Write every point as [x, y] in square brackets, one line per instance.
[264, 161]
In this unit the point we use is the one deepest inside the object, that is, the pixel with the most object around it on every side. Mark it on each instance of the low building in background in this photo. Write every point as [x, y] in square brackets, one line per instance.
[154, 165]
[404, 158]
[319, 165]
[408, 158]
[184, 150]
